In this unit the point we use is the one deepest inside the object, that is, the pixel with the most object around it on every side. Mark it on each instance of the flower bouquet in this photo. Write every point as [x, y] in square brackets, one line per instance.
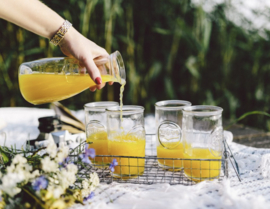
[46, 178]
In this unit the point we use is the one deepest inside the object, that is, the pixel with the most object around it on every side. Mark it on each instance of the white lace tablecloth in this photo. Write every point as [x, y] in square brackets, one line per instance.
[253, 191]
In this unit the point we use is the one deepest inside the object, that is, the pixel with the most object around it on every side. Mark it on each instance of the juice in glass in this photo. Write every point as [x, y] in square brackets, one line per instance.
[100, 144]
[127, 145]
[202, 169]
[176, 152]
[39, 88]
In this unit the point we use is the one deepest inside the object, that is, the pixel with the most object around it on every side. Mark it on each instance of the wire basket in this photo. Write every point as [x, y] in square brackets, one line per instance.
[149, 170]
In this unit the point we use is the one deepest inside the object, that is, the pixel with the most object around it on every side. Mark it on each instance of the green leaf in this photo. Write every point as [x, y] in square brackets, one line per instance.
[245, 115]
[4, 156]
[162, 31]
[191, 66]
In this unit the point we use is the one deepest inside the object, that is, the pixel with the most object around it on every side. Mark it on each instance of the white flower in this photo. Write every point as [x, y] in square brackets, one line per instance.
[48, 165]
[60, 157]
[72, 168]
[64, 149]
[62, 153]
[51, 148]
[18, 159]
[57, 191]
[66, 178]
[11, 168]
[9, 183]
[85, 184]
[85, 193]
[94, 179]
[35, 174]
[28, 167]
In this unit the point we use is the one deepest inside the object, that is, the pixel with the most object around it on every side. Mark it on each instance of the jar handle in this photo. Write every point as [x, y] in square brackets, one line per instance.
[169, 134]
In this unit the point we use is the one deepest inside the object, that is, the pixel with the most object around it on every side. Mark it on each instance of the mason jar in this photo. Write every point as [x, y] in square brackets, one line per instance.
[126, 139]
[96, 128]
[202, 142]
[168, 116]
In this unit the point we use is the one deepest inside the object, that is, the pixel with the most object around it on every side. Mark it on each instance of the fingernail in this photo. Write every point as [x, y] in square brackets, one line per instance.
[98, 80]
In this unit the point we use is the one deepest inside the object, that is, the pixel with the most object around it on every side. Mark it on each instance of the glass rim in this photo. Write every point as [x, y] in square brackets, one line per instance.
[164, 105]
[126, 109]
[121, 65]
[202, 110]
[99, 106]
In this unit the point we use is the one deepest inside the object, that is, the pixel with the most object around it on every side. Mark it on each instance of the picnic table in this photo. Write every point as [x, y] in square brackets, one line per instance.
[250, 151]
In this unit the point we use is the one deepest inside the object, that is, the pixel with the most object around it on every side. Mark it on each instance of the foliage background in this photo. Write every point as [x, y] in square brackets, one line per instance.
[171, 49]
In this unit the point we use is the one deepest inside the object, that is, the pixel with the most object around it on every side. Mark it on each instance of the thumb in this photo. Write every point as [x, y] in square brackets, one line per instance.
[92, 70]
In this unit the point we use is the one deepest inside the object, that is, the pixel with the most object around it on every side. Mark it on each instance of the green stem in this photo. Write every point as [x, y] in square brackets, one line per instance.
[35, 198]
[245, 115]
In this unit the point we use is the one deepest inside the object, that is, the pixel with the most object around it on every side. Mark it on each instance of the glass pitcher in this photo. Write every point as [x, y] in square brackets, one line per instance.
[54, 79]
[126, 138]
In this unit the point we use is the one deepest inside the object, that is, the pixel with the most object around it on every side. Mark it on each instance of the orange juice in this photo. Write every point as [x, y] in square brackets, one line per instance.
[127, 145]
[100, 144]
[176, 152]
[39, 88]
[203, 169]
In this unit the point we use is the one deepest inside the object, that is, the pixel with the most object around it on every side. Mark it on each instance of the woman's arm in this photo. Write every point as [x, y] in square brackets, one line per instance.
[41, 20]
[31, 15]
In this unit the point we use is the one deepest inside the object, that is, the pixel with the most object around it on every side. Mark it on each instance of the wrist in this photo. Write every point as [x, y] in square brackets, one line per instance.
[72, 34]
[61, 32]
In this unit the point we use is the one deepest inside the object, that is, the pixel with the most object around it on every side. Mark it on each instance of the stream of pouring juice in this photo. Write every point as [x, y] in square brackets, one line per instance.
[122, 88]
[40, 88]
[127, 145]
[176, 152]
[199, 170]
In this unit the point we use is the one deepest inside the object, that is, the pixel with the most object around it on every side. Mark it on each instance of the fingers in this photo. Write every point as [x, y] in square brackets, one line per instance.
[110, 83]
[94, 88]
[100, 86]
[92, 70]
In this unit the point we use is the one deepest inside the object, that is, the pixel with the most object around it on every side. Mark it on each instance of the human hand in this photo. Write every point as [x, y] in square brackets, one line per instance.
[77, 46]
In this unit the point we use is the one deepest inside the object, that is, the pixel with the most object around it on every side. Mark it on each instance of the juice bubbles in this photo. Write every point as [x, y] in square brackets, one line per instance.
[100, 144]
[40, 88]
[127, 145]
[202, 169]
[176, 152]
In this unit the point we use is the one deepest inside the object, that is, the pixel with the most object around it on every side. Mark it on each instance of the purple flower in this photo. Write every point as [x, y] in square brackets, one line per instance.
[65, 162]
[40, 183]
[85, 158]
[89, 197]
[90, 152]
[113, 164]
